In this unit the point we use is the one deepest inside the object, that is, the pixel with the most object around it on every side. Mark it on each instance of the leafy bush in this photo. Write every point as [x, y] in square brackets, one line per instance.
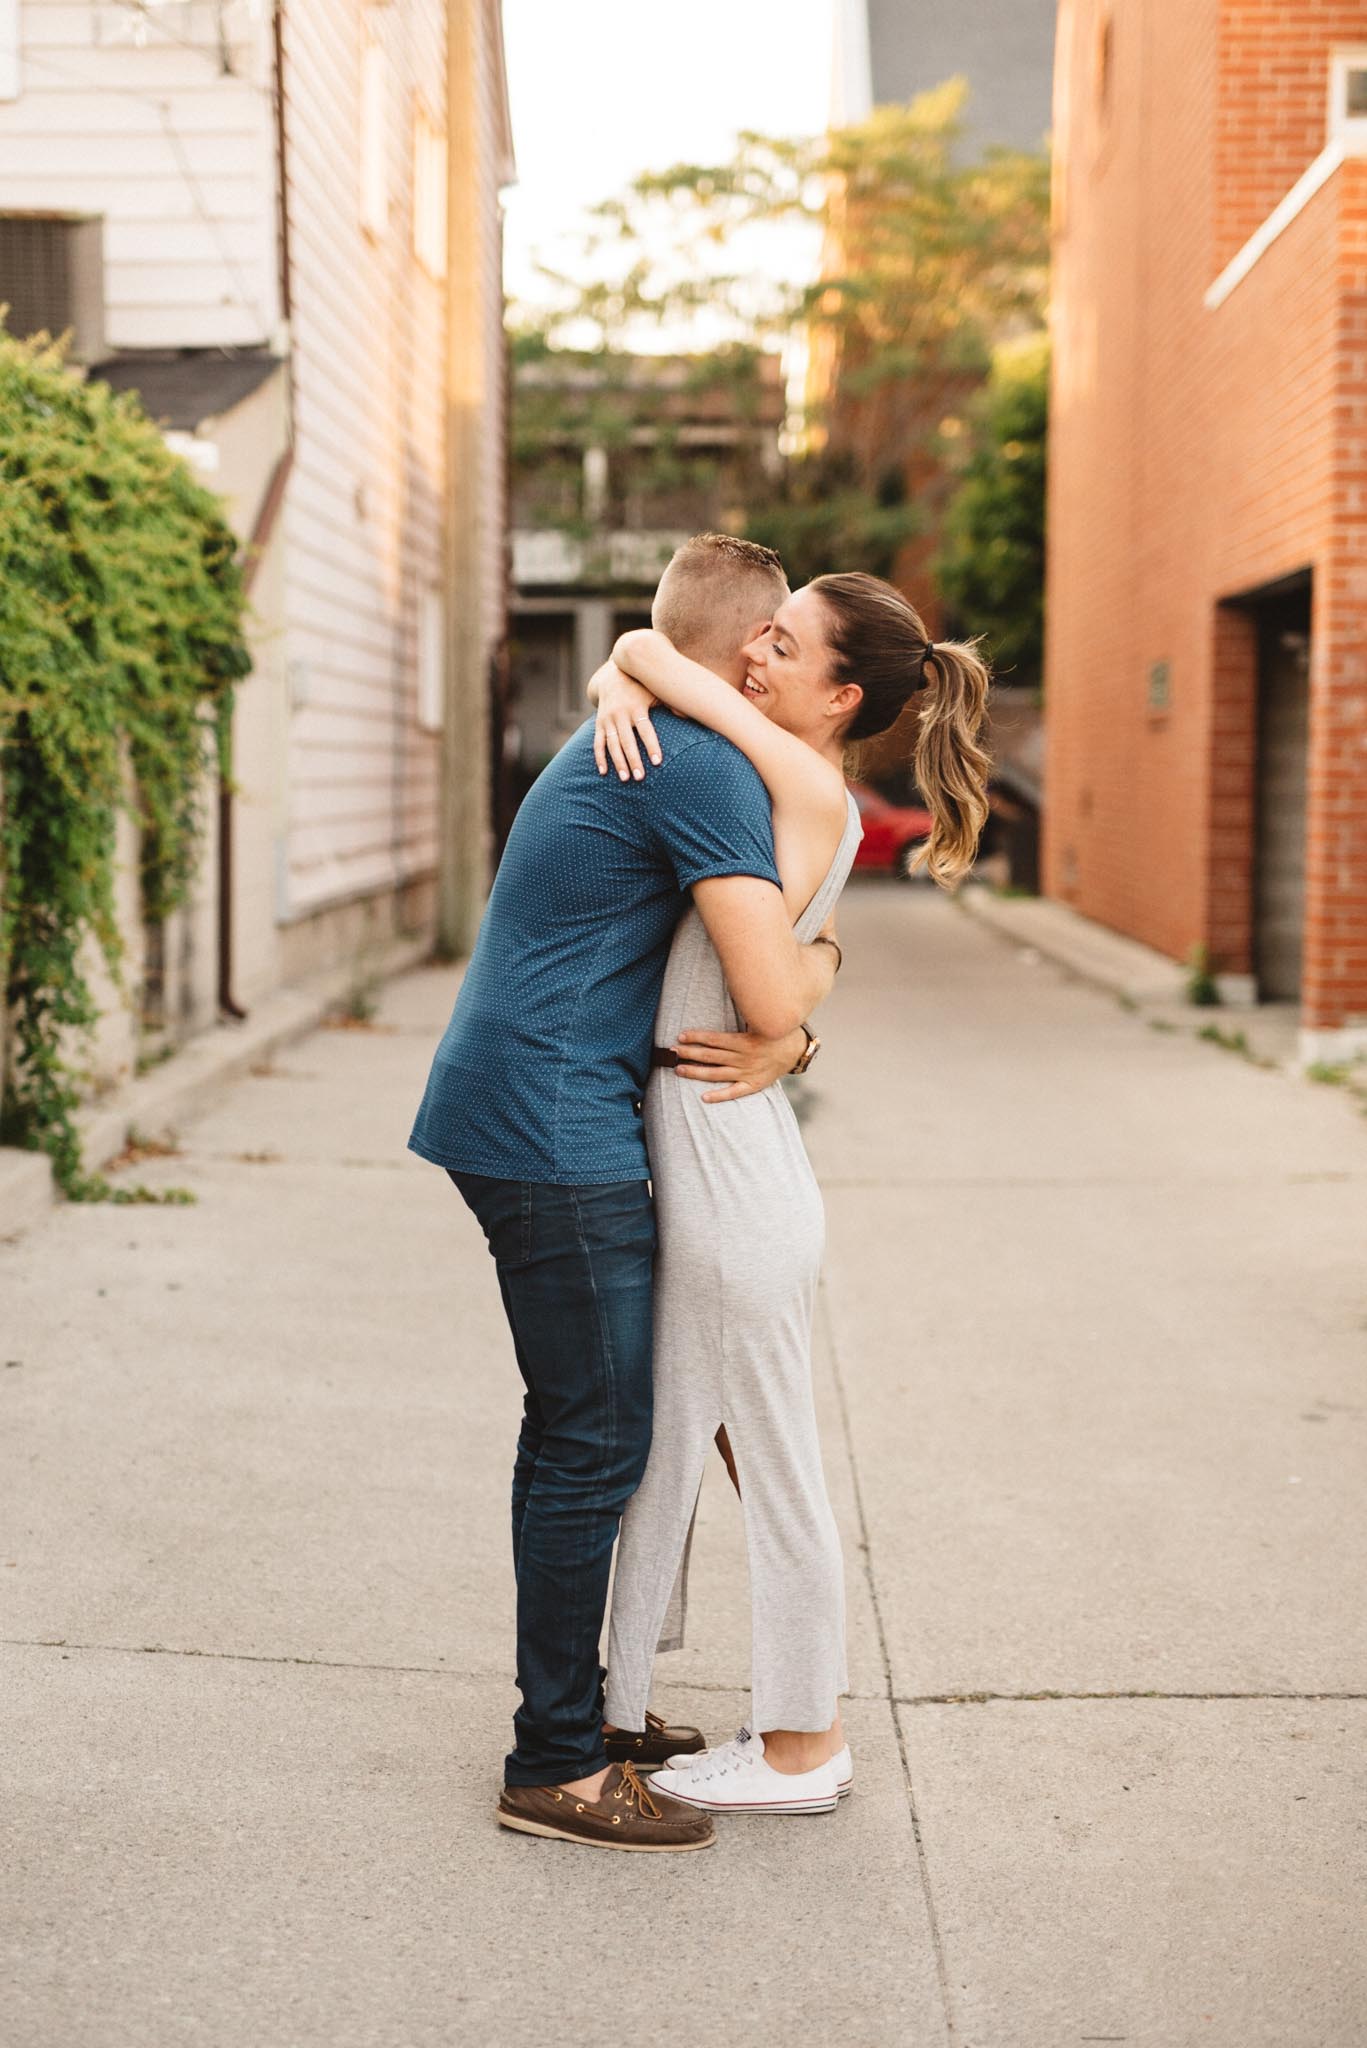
[121, 635]
[991, 565]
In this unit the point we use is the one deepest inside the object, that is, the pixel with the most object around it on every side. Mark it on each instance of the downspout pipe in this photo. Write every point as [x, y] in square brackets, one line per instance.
[463, 855]
[268, 511]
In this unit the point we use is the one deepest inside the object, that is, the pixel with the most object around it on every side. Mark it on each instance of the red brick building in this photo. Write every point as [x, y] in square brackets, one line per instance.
[1206, 692]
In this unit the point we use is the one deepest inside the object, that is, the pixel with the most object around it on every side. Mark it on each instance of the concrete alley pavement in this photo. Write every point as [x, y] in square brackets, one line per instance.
[1092, 1369]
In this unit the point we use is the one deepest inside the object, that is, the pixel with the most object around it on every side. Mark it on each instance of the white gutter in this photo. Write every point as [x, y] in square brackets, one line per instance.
[1281, 217]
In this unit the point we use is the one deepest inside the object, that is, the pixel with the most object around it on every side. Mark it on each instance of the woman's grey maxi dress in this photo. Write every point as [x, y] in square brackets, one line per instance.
[741, 1230]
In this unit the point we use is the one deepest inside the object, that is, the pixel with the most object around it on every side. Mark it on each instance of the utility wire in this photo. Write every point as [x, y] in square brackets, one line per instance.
[245, 298]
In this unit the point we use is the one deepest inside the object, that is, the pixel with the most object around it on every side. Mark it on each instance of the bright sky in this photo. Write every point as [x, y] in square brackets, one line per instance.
[602, 89]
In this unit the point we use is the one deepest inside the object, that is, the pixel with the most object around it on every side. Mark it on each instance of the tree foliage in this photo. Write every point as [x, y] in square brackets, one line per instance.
[927, 261]
[643, 413]
[991, 565]
[121, 635]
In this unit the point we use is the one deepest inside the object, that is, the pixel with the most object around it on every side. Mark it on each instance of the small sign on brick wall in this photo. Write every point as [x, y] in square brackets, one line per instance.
[1160, 685]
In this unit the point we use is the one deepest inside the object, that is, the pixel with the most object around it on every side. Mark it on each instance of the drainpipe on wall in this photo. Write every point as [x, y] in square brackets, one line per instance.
[267, 512]
[465, 774]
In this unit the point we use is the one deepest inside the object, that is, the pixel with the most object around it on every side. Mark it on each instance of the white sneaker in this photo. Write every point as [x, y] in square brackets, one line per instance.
[736, 1779]
[842, 1763]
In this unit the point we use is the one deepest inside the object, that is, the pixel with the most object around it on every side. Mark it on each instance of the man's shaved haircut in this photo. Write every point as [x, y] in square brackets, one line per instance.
[714, 592]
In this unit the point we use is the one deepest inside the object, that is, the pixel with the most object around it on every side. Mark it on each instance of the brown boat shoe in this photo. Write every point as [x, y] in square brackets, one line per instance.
[625, 1815]
[654, 1746]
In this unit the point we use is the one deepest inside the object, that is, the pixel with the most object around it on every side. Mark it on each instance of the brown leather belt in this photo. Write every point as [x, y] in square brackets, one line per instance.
[663, 1056]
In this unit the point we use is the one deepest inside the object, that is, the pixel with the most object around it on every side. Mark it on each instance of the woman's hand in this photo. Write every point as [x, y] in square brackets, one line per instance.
[738, 1063]
[624, 709]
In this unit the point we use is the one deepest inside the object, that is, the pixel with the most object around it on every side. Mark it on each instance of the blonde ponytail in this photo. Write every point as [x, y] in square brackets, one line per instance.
[878, 641]
[950, 762]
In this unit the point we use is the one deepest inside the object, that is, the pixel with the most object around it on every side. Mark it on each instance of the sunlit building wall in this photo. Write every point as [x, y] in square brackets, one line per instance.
[243, 210]
[1206, 670]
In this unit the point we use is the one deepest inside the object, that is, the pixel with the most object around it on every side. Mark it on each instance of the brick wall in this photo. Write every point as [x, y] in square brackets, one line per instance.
[1336, 850]
[1272, 93]
[1197, 453]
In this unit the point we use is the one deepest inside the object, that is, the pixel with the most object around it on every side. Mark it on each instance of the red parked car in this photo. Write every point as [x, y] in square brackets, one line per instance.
[892, 832]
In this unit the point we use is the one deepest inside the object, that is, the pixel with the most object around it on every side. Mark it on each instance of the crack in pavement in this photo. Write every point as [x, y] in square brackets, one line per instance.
[190, 1156]
[1336, 1176]
[349, 1664]
[703, 1685]
[866, 1558]
[464, 1673]
[978, 1699]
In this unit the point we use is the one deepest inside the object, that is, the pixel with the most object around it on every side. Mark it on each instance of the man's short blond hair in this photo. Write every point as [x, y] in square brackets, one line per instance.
[713, 594]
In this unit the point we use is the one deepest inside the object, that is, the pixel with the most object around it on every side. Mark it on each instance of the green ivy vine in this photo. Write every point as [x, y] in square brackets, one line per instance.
[121, 637]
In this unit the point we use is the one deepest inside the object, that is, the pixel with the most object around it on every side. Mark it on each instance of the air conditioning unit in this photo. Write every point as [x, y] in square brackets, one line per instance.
[52, 278]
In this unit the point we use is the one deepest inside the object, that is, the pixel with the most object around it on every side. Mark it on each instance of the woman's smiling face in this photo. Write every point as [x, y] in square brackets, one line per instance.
[788, 667]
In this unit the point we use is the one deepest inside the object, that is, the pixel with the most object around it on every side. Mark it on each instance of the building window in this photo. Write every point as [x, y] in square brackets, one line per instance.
[431, 660]
[429, 192]
[374, 137]
[52, 268]
[1348, 99]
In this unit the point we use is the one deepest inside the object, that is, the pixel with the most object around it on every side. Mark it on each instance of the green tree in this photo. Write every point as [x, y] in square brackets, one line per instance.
[638, 410]
[991, 566]
[121, 635]
[926, 262]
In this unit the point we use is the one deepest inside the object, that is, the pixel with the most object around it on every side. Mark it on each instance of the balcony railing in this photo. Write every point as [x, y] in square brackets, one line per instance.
[543, 557]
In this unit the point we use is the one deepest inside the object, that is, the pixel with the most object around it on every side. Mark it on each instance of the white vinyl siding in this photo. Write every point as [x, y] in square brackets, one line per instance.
[374, 127]
[431, 661]
[178, 157]
[364, 513]
[9, 50]
[429, 192]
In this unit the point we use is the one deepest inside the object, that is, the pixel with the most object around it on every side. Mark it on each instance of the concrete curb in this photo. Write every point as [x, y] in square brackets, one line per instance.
[157, 1103]
[1106, 958]
[1267, 1033]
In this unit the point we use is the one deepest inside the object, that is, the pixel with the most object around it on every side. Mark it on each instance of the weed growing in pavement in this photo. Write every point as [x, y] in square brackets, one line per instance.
[1202, 990]
[136, 1148]
[357, 1009]
[362, 1001]
[1233, 1041]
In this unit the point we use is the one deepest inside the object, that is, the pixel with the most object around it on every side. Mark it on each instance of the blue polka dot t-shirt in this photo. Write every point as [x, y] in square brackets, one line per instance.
[544, 1061]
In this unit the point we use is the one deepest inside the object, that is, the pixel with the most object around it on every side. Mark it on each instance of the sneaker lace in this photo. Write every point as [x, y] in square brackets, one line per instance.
[725, 1753]
[715, 1763]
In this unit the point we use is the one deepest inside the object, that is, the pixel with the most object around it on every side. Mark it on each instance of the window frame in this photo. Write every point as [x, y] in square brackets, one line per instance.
[1349, 130]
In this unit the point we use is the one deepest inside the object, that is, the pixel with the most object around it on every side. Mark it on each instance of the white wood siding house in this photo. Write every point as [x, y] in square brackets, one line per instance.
[272, 182]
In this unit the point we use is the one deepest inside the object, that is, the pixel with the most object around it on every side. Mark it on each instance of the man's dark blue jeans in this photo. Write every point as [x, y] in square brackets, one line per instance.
[576, 1269]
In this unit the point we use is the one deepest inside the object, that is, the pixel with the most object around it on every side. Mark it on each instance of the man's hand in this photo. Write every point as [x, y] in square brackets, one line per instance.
[624, 709]
[738, 1063]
